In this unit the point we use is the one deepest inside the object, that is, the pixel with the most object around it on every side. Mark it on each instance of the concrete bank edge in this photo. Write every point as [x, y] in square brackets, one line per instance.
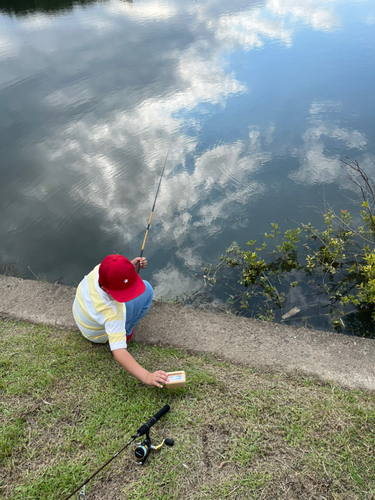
[346, 361]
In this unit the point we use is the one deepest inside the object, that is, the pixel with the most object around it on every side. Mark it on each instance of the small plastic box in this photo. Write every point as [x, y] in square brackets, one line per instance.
[176, 379]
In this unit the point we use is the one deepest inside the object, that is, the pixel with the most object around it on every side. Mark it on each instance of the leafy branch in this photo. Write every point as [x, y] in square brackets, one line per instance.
[337, 262]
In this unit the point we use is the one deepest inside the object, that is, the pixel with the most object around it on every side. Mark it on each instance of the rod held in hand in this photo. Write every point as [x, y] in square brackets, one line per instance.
[147, 426]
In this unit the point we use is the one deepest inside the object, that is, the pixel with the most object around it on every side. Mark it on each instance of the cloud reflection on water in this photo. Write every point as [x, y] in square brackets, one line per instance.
[319, 14]
[115, 117]
[318, 166]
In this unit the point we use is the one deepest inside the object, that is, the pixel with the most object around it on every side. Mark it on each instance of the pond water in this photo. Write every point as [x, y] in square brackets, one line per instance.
[261, 98]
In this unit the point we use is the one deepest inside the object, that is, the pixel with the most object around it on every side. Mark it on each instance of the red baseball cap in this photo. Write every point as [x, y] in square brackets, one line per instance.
[118, 276]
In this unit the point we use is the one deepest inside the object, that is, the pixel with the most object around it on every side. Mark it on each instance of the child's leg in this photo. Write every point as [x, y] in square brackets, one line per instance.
[138, 307]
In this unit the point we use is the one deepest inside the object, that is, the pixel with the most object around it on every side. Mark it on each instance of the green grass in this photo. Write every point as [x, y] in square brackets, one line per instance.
[66, 407]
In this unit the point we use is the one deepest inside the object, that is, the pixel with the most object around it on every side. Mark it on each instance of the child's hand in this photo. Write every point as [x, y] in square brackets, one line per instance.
[157, 378]
[139, 261]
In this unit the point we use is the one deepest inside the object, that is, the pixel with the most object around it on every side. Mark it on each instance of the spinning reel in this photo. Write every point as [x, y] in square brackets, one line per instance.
[139, 452]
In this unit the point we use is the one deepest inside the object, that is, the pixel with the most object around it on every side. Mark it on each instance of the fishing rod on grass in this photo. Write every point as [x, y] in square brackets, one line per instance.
[153, 208]
[137, 453]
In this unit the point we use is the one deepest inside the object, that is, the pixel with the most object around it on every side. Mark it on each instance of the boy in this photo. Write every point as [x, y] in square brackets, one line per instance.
[109, 302]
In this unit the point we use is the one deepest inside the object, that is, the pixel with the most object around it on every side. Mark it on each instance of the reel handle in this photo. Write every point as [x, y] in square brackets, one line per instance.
[144, 429]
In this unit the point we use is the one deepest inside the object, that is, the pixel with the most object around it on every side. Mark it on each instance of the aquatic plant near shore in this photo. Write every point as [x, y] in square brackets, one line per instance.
[335, 266]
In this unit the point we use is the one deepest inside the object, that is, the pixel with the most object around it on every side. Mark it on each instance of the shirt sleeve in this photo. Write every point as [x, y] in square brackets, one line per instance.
[116, 333]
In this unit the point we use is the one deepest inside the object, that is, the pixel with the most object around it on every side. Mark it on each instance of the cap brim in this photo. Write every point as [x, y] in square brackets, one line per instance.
[130, 293]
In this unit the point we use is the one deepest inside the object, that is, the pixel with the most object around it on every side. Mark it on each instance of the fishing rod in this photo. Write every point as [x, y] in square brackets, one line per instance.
[139, 453]
[153, 207]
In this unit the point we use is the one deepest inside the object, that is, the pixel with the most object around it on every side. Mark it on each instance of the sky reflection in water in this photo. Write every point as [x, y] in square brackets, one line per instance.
[262, 99]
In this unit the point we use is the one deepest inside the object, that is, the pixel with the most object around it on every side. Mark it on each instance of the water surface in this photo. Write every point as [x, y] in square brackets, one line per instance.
[262, 98]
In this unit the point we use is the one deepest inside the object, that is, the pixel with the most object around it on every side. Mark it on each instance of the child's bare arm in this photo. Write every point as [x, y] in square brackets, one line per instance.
[127, 361]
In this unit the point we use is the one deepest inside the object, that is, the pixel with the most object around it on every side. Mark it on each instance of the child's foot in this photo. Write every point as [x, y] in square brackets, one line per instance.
[129, 337]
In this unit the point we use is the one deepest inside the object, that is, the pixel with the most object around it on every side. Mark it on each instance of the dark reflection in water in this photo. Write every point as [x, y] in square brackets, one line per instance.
[24, 7]
[263, 98]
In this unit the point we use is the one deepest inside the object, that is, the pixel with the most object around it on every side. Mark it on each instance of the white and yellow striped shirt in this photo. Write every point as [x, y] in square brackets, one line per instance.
[98, 316]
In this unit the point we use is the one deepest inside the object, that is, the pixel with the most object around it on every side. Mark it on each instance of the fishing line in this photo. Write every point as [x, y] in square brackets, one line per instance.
[153, 207]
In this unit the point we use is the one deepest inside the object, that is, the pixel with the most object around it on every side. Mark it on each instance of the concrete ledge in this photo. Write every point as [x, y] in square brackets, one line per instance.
[348, 361]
